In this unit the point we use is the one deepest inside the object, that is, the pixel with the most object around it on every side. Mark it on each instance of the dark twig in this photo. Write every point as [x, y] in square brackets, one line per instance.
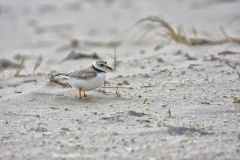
[25, 115]
[117, 87]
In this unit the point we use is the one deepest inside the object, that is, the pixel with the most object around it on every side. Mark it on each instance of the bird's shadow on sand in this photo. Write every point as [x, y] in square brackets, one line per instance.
[174, 130]
[73, 100]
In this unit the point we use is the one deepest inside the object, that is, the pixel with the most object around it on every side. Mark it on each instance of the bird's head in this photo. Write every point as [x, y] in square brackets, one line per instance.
[101, 66]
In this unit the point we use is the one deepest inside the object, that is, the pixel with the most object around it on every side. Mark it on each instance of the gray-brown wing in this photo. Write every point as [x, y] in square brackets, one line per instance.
[84, 74]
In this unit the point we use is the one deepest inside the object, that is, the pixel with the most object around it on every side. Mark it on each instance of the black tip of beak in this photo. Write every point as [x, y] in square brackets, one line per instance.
[110, 68]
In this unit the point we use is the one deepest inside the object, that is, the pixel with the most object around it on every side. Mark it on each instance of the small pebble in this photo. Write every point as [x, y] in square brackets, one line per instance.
[66, 109]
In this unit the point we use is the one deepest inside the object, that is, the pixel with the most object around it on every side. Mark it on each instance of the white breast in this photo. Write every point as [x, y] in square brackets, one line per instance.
[88, 84]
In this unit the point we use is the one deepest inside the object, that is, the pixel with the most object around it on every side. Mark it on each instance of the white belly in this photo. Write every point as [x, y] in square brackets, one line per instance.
[88, 84]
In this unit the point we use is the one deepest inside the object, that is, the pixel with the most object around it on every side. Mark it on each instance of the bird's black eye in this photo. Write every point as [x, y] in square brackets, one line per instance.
[101, 64]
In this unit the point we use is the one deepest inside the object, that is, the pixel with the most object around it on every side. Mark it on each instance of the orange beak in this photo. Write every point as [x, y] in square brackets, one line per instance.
[108, 67]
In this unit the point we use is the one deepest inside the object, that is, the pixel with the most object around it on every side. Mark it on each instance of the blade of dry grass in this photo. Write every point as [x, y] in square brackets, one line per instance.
[115, 58]
[37, 64]
[176, 34]
[20, 67]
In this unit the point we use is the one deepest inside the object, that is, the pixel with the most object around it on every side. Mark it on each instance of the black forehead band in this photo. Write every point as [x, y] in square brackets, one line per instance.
[101, 62]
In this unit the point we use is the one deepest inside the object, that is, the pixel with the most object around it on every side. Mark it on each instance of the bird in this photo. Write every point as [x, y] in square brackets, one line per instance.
[87, 79]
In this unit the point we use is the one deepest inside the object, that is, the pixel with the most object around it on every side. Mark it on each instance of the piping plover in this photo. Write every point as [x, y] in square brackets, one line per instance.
[87, 79]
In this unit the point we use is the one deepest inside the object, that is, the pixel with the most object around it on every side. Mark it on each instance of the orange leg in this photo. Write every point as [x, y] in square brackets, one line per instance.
[84, 94]
[80, 93]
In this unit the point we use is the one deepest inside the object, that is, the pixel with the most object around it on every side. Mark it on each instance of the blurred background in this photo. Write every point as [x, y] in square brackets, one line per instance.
[33, 32]
[33, 26]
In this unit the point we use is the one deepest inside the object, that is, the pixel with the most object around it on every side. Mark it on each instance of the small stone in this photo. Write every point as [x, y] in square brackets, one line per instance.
[157, 47]
[146, 75]
[18, 91]
[225, 121]
[125, 82]
[160, 60]
[146, 101]
[66, 109]
[134, 113]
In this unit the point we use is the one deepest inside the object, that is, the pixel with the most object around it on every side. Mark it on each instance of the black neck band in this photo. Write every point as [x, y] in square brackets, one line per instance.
[98, 70]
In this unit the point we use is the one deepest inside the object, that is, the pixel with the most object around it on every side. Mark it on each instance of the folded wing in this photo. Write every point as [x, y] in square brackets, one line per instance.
[84, 74]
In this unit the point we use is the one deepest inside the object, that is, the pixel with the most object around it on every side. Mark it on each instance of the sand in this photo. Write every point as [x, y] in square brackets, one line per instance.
[174, 102]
